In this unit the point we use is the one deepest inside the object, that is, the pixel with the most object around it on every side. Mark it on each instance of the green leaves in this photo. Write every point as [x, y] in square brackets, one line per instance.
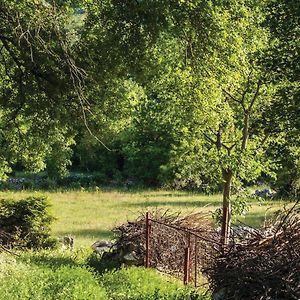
[38, 77]
[26, 222]
[196, 63]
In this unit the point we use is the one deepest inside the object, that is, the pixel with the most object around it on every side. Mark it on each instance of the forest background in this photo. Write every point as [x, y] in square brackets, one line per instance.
[200, 95]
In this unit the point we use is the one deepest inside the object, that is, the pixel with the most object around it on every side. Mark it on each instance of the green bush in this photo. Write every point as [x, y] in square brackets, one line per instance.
[26, 223]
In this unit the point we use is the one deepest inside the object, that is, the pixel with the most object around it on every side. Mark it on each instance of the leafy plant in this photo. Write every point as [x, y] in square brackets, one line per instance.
[55, 275]
[239, 207]
[26, 222]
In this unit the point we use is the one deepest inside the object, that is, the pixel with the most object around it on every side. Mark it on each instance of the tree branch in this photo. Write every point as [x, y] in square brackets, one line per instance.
[259, 84]
[209, 139]
[234, 99]
[247, 88]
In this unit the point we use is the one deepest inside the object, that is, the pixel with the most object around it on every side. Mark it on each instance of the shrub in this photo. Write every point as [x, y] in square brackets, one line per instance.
[26, 222]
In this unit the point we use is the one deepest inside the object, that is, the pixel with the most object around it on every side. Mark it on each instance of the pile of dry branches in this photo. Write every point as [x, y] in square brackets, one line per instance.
[264, 265]
[168, 243]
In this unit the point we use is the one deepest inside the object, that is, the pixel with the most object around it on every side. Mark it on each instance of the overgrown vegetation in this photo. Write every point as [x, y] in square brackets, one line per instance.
[142, 284]
[68, 273]
[57, 275]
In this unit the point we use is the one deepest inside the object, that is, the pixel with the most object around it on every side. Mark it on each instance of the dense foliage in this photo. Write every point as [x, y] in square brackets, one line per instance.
[38, 87]
[26, 223]
[51, 275]
[282, 62]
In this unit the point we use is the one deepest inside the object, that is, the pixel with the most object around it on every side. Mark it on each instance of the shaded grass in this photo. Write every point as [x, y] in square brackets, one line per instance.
[261, 212]
[176, 204]
[52, 259]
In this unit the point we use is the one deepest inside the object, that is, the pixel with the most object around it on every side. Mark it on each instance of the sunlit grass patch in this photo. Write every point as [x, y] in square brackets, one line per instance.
[90, 216]
[147, 284]
[27, 280]
[260, 212]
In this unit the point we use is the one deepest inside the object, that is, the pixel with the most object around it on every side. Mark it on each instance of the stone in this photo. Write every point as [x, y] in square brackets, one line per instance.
[68, 242]
[102, 245]
[131, 259]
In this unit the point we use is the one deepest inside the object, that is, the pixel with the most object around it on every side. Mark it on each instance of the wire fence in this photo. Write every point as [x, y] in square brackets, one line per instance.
[179, 251]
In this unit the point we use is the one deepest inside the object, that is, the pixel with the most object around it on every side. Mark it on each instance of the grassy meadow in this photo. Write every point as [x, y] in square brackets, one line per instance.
[90, 215]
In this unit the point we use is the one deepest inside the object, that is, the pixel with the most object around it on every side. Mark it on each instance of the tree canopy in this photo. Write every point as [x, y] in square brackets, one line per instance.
[39, 79]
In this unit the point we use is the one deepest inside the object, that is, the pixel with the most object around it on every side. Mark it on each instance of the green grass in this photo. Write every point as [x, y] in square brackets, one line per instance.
[261, 211]
[90, 216]
[65, 275]
[26, 280]
[146, 284]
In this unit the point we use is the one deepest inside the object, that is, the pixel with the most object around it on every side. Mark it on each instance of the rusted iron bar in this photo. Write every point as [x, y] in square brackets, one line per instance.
[148, 237]
[186, 265]
[186, 230]
[189, 261]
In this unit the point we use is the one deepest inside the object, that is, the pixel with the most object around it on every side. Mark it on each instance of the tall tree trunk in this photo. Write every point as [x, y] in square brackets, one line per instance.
[225, 230]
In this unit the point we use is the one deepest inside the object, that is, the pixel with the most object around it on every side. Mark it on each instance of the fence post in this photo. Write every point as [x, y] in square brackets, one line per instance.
[196, 261]
[186, 265]
[148, 233]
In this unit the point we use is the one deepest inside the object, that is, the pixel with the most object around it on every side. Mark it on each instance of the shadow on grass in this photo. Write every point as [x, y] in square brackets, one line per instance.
[97, 234]
[174, 194]
[151, 191]
[254, 220]
[172, 203]
[101, 265]
[51, 261]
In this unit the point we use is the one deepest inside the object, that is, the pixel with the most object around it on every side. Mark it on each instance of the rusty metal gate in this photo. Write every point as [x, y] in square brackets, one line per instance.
[183, 256]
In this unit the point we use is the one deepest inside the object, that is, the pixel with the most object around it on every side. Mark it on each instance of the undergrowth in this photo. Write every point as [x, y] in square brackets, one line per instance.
[58, 275]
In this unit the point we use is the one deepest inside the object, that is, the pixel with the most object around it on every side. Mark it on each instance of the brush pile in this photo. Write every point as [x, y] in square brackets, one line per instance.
[168, 239]
[264, 265]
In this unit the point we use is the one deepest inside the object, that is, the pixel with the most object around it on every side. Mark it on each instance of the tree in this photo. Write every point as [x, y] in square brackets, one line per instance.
[225, 90]
[40, 83]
